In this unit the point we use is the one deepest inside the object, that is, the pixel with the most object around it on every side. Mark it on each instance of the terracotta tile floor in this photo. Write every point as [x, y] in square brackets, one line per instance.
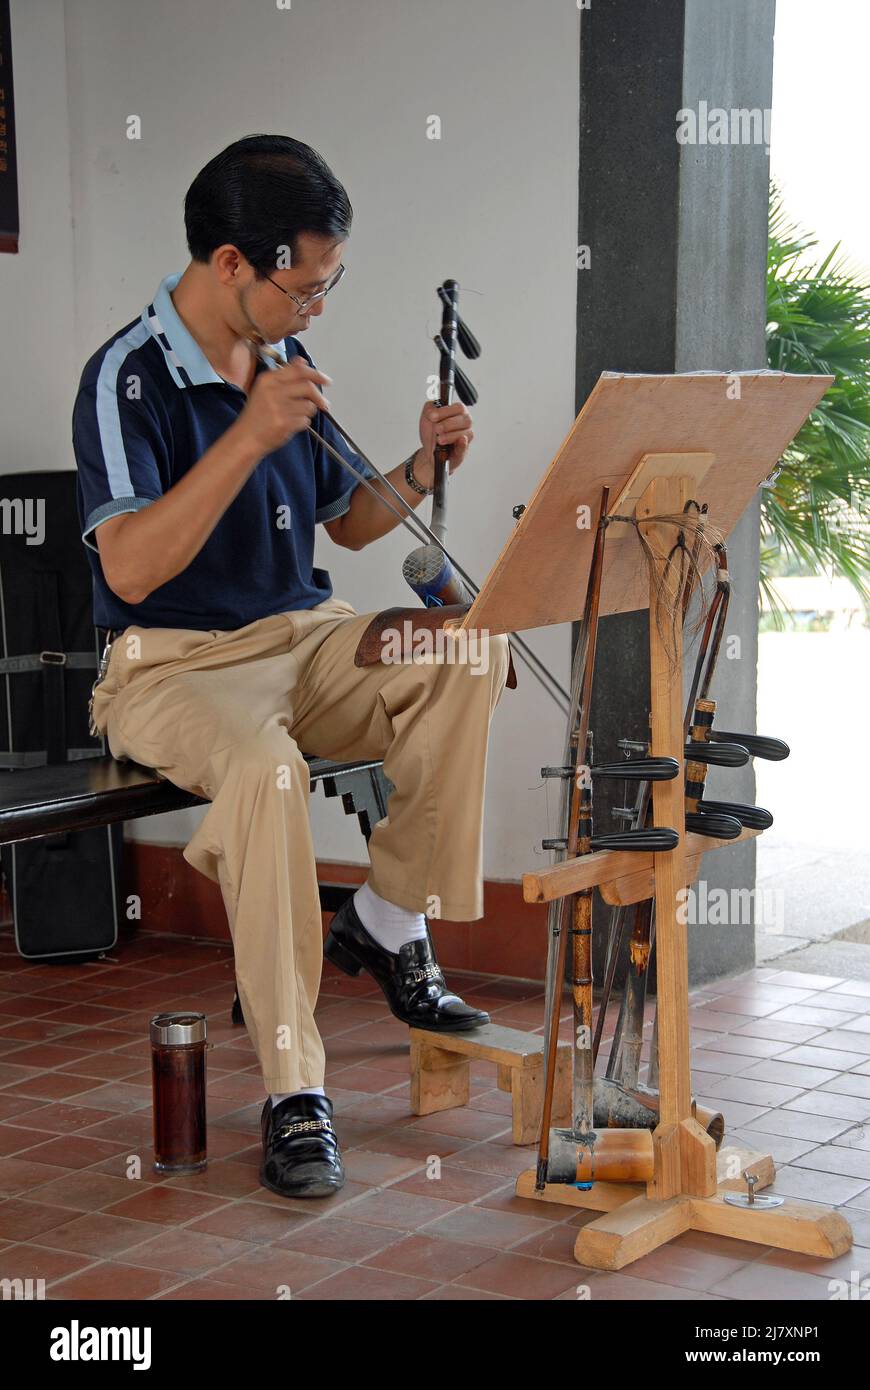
[428, 1210]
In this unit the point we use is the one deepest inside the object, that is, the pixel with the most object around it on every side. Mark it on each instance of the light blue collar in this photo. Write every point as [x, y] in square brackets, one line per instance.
[184, 357]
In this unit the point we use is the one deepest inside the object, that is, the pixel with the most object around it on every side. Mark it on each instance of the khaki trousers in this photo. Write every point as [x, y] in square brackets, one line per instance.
[229, 715]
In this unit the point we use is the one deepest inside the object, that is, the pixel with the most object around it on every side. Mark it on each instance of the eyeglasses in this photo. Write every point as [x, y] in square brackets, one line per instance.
[303, 304]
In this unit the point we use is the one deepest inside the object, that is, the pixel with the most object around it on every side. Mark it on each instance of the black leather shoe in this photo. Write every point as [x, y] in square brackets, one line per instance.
[412, 981]
[301, 1157]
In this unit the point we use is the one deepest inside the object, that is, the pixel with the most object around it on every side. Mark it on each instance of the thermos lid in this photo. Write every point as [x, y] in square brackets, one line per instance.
[178, 1028]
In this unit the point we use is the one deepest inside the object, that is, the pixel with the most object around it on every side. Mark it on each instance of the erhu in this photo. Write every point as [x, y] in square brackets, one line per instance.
[434, 574]
[428, 569]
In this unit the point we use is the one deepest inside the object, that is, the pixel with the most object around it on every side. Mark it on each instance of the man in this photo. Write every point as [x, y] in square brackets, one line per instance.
[199, 490]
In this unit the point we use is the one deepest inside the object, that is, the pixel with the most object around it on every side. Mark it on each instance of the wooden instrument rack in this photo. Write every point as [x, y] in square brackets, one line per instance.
[655, 442]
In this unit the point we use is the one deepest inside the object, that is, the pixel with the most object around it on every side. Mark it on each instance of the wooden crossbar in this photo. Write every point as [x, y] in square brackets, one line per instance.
[619, 871]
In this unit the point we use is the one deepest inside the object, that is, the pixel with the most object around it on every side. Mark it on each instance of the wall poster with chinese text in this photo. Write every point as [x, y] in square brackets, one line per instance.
[8, 164]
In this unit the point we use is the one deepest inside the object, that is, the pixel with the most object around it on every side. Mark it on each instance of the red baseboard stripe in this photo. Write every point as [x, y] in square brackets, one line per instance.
[510, 938]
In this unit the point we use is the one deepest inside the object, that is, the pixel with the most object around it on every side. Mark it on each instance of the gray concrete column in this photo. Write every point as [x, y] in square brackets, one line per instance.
[677, 237]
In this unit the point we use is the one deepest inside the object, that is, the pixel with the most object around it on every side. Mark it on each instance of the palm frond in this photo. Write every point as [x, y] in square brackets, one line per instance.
[817, 512]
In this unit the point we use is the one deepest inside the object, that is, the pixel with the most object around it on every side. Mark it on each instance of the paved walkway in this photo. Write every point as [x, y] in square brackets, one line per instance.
[811, 689]
[428, 1211]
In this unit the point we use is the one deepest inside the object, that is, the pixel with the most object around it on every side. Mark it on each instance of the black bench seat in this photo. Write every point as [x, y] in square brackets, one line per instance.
[59, 798]
[78, 795]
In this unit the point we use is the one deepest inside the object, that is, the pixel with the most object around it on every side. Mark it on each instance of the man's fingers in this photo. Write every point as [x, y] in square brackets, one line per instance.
[440, 413]
[447, 437]
[301, 380]
[459, 450]
[298, 388]
[302, 369]
[446, 428]
[319, 400]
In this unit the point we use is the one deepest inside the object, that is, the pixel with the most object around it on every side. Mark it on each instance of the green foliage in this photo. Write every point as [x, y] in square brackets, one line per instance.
[816, 515]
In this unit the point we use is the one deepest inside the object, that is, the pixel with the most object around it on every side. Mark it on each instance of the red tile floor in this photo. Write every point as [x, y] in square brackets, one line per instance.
[428, 1210]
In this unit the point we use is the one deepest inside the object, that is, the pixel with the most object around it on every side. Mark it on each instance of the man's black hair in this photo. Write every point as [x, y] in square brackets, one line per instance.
[258, 195]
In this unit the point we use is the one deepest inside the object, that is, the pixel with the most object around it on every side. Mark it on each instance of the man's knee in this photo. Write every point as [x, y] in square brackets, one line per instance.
[272, 757]
[487, 655]
[476, 656]
[500, 655]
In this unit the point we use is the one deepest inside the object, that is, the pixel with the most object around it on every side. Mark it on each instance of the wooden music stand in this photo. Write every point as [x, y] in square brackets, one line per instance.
[655, 441]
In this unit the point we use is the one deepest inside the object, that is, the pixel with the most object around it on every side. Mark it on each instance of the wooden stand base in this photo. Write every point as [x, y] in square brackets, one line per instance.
[440, 1065]
[634, 1225]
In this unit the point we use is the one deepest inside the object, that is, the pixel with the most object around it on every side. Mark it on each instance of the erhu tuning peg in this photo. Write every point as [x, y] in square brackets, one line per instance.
[463, 387]
[756, 817]
[466, 339]
[757, 745]
[717, 826]
[640, 769]
[717, 754]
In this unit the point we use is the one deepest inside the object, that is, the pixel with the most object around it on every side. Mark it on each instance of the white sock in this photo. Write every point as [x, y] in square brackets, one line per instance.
[306, 1091]
[390, 926]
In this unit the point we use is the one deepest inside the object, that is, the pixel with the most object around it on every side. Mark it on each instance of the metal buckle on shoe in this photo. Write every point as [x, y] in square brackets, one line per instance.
[301, 1127]
[425, 972]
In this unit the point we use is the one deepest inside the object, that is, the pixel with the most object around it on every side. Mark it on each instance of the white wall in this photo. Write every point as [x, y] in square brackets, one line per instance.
[492, 203]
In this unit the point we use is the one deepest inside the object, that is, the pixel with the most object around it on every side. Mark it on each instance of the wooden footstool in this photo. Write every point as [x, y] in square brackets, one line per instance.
[440, 1064]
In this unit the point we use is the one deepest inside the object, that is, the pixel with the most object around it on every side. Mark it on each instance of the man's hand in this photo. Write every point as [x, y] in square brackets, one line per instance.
[447, 425]
[282, 403]
[142, 550]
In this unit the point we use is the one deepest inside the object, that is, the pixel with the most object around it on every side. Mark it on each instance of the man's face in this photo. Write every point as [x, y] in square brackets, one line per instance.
[272, 314]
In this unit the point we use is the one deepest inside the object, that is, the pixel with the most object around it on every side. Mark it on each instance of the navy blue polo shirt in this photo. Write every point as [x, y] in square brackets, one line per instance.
[149, 405]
